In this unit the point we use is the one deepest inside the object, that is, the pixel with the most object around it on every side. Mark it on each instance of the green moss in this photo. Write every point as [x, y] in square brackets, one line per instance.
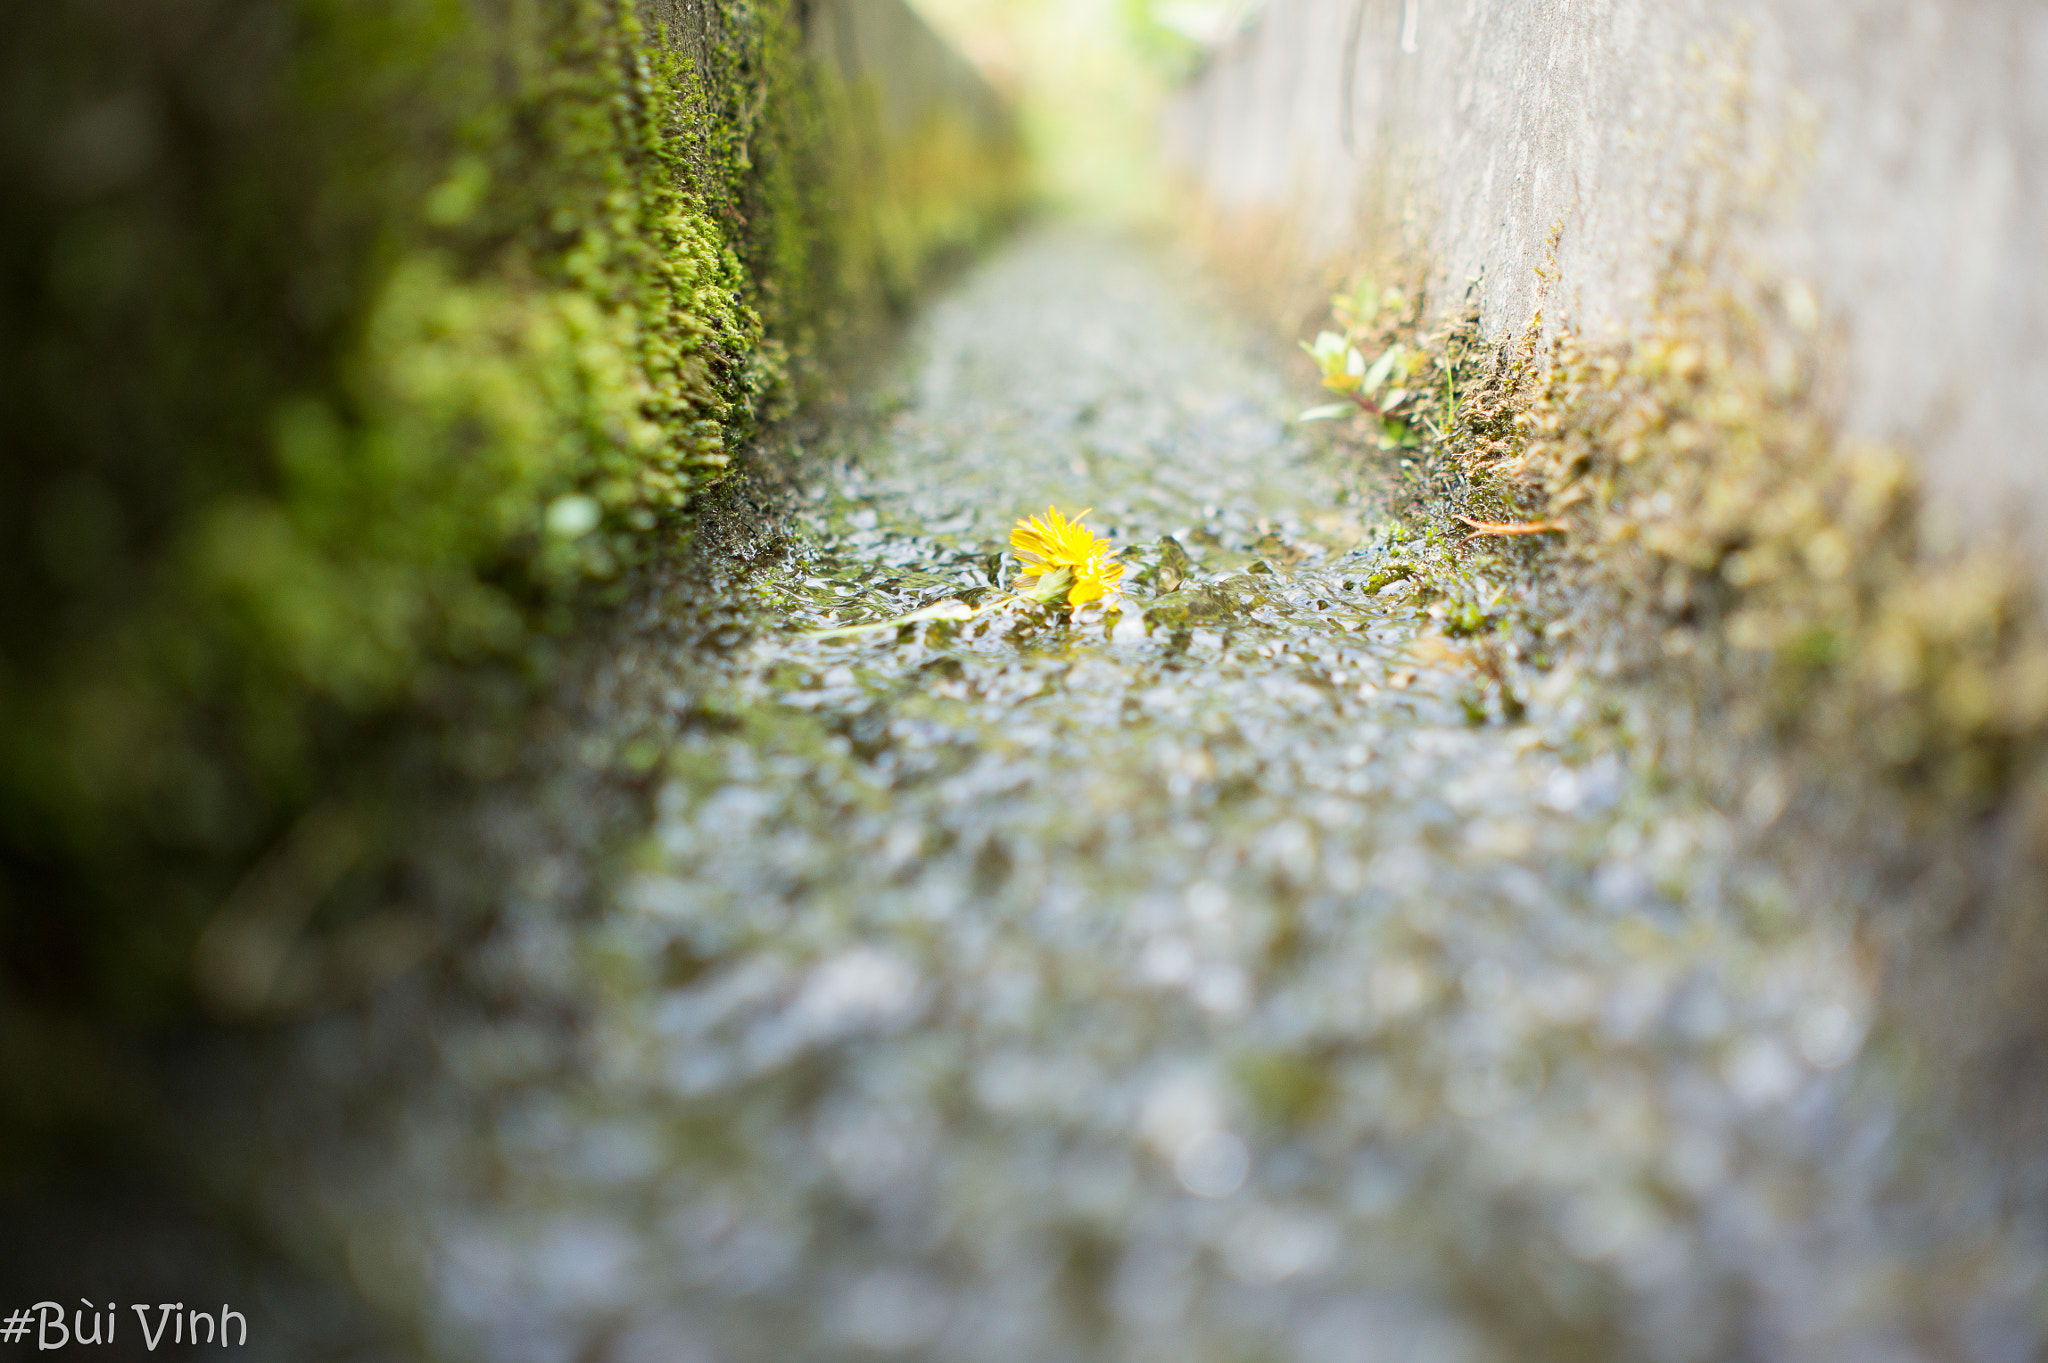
[1711, 497]
[1805, 641]
[1717, 527]
[353, 346]
[1707, 508]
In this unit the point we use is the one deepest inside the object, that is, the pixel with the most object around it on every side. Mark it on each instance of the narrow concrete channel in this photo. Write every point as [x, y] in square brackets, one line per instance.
[1231, 978]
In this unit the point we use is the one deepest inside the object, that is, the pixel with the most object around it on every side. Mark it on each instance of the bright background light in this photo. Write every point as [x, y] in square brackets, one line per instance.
[1088, 77]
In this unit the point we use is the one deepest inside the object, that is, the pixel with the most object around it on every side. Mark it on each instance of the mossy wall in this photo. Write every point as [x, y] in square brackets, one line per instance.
[348, 347]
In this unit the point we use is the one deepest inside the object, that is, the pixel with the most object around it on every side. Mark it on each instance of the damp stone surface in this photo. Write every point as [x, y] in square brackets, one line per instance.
[1258, 972]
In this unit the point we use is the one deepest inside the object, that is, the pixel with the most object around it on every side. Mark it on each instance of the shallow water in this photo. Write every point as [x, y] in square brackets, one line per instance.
[1257, 973]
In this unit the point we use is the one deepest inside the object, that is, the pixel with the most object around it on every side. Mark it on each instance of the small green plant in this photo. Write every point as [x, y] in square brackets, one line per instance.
[1363, 384]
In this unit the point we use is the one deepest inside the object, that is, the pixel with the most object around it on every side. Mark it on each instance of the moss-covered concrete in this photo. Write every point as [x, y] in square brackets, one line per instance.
[1689, 341]
[1856, 677]
[351, 347]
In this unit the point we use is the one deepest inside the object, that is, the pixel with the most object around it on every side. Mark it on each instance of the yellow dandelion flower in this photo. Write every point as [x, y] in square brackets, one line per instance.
[1060, 553]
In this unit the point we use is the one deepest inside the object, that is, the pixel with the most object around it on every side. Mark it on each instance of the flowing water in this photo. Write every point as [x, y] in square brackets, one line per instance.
[1260, 972]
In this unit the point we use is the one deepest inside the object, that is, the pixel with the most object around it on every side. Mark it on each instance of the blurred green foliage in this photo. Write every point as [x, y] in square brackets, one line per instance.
[1089, 79]
[346, 345]
[1172, 48]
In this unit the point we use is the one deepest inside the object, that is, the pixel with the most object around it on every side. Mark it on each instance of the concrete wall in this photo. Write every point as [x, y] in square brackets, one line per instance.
[915, 72]
[1890, 156]
[881, 45]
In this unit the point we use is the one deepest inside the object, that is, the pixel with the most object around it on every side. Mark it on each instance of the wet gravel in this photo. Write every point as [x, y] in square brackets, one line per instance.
[1263, 971]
